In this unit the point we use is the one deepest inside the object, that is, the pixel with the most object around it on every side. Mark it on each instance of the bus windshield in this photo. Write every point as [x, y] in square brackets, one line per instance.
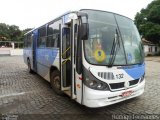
[107, 29]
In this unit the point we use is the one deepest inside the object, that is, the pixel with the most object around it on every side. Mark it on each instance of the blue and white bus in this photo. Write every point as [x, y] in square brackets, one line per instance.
[96, 57]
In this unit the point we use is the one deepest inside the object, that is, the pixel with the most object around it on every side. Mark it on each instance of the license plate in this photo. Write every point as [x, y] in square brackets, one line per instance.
[127, 93]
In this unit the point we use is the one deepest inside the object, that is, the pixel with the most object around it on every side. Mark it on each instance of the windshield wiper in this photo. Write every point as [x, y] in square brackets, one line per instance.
[115, 46]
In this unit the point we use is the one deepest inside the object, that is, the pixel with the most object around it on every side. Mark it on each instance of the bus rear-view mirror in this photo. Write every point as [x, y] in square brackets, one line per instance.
[84, 31]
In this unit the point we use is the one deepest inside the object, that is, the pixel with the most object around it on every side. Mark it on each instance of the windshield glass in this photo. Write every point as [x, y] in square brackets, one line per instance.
[103, 27]
[131, 40]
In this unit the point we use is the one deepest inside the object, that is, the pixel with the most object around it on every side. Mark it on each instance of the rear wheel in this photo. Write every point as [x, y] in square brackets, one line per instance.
[29, 66]
[55, 82]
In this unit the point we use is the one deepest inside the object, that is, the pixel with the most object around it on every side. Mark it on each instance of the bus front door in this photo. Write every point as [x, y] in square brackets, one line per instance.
[69, 76]
[66, 69]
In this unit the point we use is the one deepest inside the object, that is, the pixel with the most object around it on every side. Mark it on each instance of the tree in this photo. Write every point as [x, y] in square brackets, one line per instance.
[23, 32]
[11, 32]
[4, 31]
[14, 33]
[148, 22]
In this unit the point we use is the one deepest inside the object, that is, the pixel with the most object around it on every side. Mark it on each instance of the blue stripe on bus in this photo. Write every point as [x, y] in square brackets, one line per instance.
[136, 72]
[46, 56]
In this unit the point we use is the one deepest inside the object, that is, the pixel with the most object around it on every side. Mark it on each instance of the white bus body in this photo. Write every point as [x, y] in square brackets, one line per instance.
[95, 57]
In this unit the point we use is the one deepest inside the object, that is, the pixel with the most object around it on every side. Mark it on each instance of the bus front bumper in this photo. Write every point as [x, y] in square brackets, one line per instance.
[94, 98]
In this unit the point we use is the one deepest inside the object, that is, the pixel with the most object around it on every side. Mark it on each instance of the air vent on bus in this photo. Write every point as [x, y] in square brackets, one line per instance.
[117, 85]
[121, 85]
[106, 75]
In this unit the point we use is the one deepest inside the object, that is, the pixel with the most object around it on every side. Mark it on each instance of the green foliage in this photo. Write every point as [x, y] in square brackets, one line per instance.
[11, 33]
[14, 32]
[148, 22]
[23, 32]
[4, 31]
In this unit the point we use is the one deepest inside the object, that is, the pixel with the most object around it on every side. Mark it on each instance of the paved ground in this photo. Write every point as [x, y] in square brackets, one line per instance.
[31, 97]
[155, 59]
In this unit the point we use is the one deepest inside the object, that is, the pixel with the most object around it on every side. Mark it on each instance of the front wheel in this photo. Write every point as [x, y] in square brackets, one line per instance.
[55, 82]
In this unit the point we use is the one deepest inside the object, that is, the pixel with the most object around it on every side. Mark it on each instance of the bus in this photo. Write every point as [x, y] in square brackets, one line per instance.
[95, 57]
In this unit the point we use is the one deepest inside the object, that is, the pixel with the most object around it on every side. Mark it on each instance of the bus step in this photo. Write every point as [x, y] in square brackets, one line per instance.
[67, 92]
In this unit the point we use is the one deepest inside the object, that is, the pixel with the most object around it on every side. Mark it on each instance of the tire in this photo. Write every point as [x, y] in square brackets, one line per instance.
[29, 66]
[55, 82]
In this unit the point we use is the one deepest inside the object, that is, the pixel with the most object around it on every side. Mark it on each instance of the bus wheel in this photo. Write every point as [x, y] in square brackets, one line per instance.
[29, 66]
[55, 82]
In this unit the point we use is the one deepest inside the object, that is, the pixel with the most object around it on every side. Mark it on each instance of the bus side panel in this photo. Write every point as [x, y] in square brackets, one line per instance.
[45, 59]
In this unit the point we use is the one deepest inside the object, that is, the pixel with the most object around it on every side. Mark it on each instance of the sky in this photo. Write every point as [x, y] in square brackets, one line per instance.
[34, 13]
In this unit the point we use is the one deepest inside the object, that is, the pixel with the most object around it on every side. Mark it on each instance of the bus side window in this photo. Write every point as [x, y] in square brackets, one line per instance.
[53, 34]
[50, 37]
[29, 41]
[25, 41]
[42, 37]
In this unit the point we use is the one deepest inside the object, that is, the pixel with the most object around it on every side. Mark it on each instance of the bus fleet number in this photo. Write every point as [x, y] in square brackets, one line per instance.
[120, 76]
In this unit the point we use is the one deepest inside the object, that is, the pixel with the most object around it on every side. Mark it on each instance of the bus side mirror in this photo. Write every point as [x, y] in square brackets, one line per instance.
[84, 31]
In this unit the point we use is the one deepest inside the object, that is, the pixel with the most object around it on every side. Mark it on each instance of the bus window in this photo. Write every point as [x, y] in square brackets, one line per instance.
[53, 35]
[42, 37]
[29, 42]
[25, 41]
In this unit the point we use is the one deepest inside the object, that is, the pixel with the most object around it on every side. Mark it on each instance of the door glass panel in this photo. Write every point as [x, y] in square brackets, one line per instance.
[66, 43]
[67, 75]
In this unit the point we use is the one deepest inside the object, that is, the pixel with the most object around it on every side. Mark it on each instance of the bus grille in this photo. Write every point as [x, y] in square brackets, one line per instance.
[106, 75]
[120, 85]
[117, 85]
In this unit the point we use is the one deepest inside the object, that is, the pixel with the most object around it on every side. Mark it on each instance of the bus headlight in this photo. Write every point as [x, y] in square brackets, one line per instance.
[93, 83]
[96, 84]
[142, 78]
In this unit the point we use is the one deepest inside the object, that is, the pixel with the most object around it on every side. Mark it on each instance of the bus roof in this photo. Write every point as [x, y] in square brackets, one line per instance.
[73, 12]
[52, 20]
